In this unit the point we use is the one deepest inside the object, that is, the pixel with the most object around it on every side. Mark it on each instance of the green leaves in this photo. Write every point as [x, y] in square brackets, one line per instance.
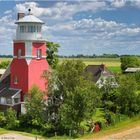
[34, 105]
[129, 61]
[11, 119]
[52, 56]
[4, 64]
[79, 95]
[128, 96]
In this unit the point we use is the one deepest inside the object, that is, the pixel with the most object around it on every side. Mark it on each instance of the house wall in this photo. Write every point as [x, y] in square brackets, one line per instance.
[3, 108]
[28, 73]
[20, 45]
[19, 68]
[37, 66]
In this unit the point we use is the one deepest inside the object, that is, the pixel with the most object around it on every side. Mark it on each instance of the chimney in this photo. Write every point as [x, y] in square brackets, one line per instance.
[102, 66]
[20, 15]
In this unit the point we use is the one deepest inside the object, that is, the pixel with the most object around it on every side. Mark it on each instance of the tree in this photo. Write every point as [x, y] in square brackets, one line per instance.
[129, 61]
[79, 105]
[109, 95]
[70, 74]
[4, 64]
[34, 105]
[11, 119]
[52, 56]
[128, 99]
[74, 98]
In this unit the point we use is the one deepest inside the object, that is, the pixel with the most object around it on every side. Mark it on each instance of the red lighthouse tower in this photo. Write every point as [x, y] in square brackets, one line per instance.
[28, 64]
[29, 54]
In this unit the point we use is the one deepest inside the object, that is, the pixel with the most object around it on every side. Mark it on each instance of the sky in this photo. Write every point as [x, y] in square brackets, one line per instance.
[80, 26]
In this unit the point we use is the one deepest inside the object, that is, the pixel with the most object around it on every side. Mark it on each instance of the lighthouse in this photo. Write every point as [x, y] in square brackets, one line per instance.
[29, 61]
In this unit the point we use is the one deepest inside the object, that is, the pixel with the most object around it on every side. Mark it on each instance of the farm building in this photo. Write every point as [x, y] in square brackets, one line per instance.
[132, 70]
[99, 73]
[28, 64]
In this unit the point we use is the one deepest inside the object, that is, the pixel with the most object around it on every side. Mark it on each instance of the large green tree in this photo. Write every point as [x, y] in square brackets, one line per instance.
[52, 56]
[74, 98]
[79, 105]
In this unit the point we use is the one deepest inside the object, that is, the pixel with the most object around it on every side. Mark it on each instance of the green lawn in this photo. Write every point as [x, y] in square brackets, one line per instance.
[115, 69]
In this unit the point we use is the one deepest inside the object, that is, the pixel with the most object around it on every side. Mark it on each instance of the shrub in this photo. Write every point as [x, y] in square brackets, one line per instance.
[2, 119]
[11, 119]
[4, 64]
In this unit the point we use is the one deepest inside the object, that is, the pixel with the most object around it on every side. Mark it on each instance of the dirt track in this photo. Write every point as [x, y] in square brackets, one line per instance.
[131, 134]
[15, 136]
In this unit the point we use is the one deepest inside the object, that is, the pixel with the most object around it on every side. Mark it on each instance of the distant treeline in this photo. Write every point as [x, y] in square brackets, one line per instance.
[6, 56]
[95, 56]
[82, 56]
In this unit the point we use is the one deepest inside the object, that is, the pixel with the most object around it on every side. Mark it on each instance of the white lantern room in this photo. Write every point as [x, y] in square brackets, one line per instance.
[29, 27]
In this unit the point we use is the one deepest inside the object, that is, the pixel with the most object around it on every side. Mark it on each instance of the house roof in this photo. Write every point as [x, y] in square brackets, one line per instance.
[2, 71]
[5, 90]
[98, 70]
[29, 19]
[5, 74]
[9, 93]
[132, 69]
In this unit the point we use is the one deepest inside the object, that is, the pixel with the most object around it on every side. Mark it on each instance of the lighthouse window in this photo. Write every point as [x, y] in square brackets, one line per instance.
[38, 28]
[22, 29]
[15, 80]
[39, 53]
[31, 29]
[19, 53]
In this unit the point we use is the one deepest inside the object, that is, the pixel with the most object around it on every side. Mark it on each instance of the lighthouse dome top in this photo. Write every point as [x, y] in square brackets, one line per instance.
[30, 18]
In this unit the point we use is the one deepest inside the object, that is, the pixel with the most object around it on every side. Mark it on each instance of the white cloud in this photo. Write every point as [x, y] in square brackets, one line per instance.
[118, 3]
[8, 12]
[135, 3]
[61, 10]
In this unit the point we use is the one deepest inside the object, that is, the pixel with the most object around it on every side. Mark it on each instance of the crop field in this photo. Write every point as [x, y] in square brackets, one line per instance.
[5, 59]
[113, 64]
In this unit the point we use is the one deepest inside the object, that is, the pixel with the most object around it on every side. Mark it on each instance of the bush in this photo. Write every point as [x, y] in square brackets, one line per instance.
[129, 61]
[11, 119]
[2, 119]
[4, 64]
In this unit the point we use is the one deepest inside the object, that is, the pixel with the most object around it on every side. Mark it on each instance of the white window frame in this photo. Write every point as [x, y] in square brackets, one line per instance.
[15, 80]
[39, 53]
[2, 100]
[19, 53]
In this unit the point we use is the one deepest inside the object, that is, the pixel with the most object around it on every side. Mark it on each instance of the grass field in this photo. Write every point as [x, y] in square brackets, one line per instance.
[5, 59]
[113, 64]
[96, 61]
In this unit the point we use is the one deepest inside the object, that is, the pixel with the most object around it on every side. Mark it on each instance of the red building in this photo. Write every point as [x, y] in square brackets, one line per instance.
[28, 64]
